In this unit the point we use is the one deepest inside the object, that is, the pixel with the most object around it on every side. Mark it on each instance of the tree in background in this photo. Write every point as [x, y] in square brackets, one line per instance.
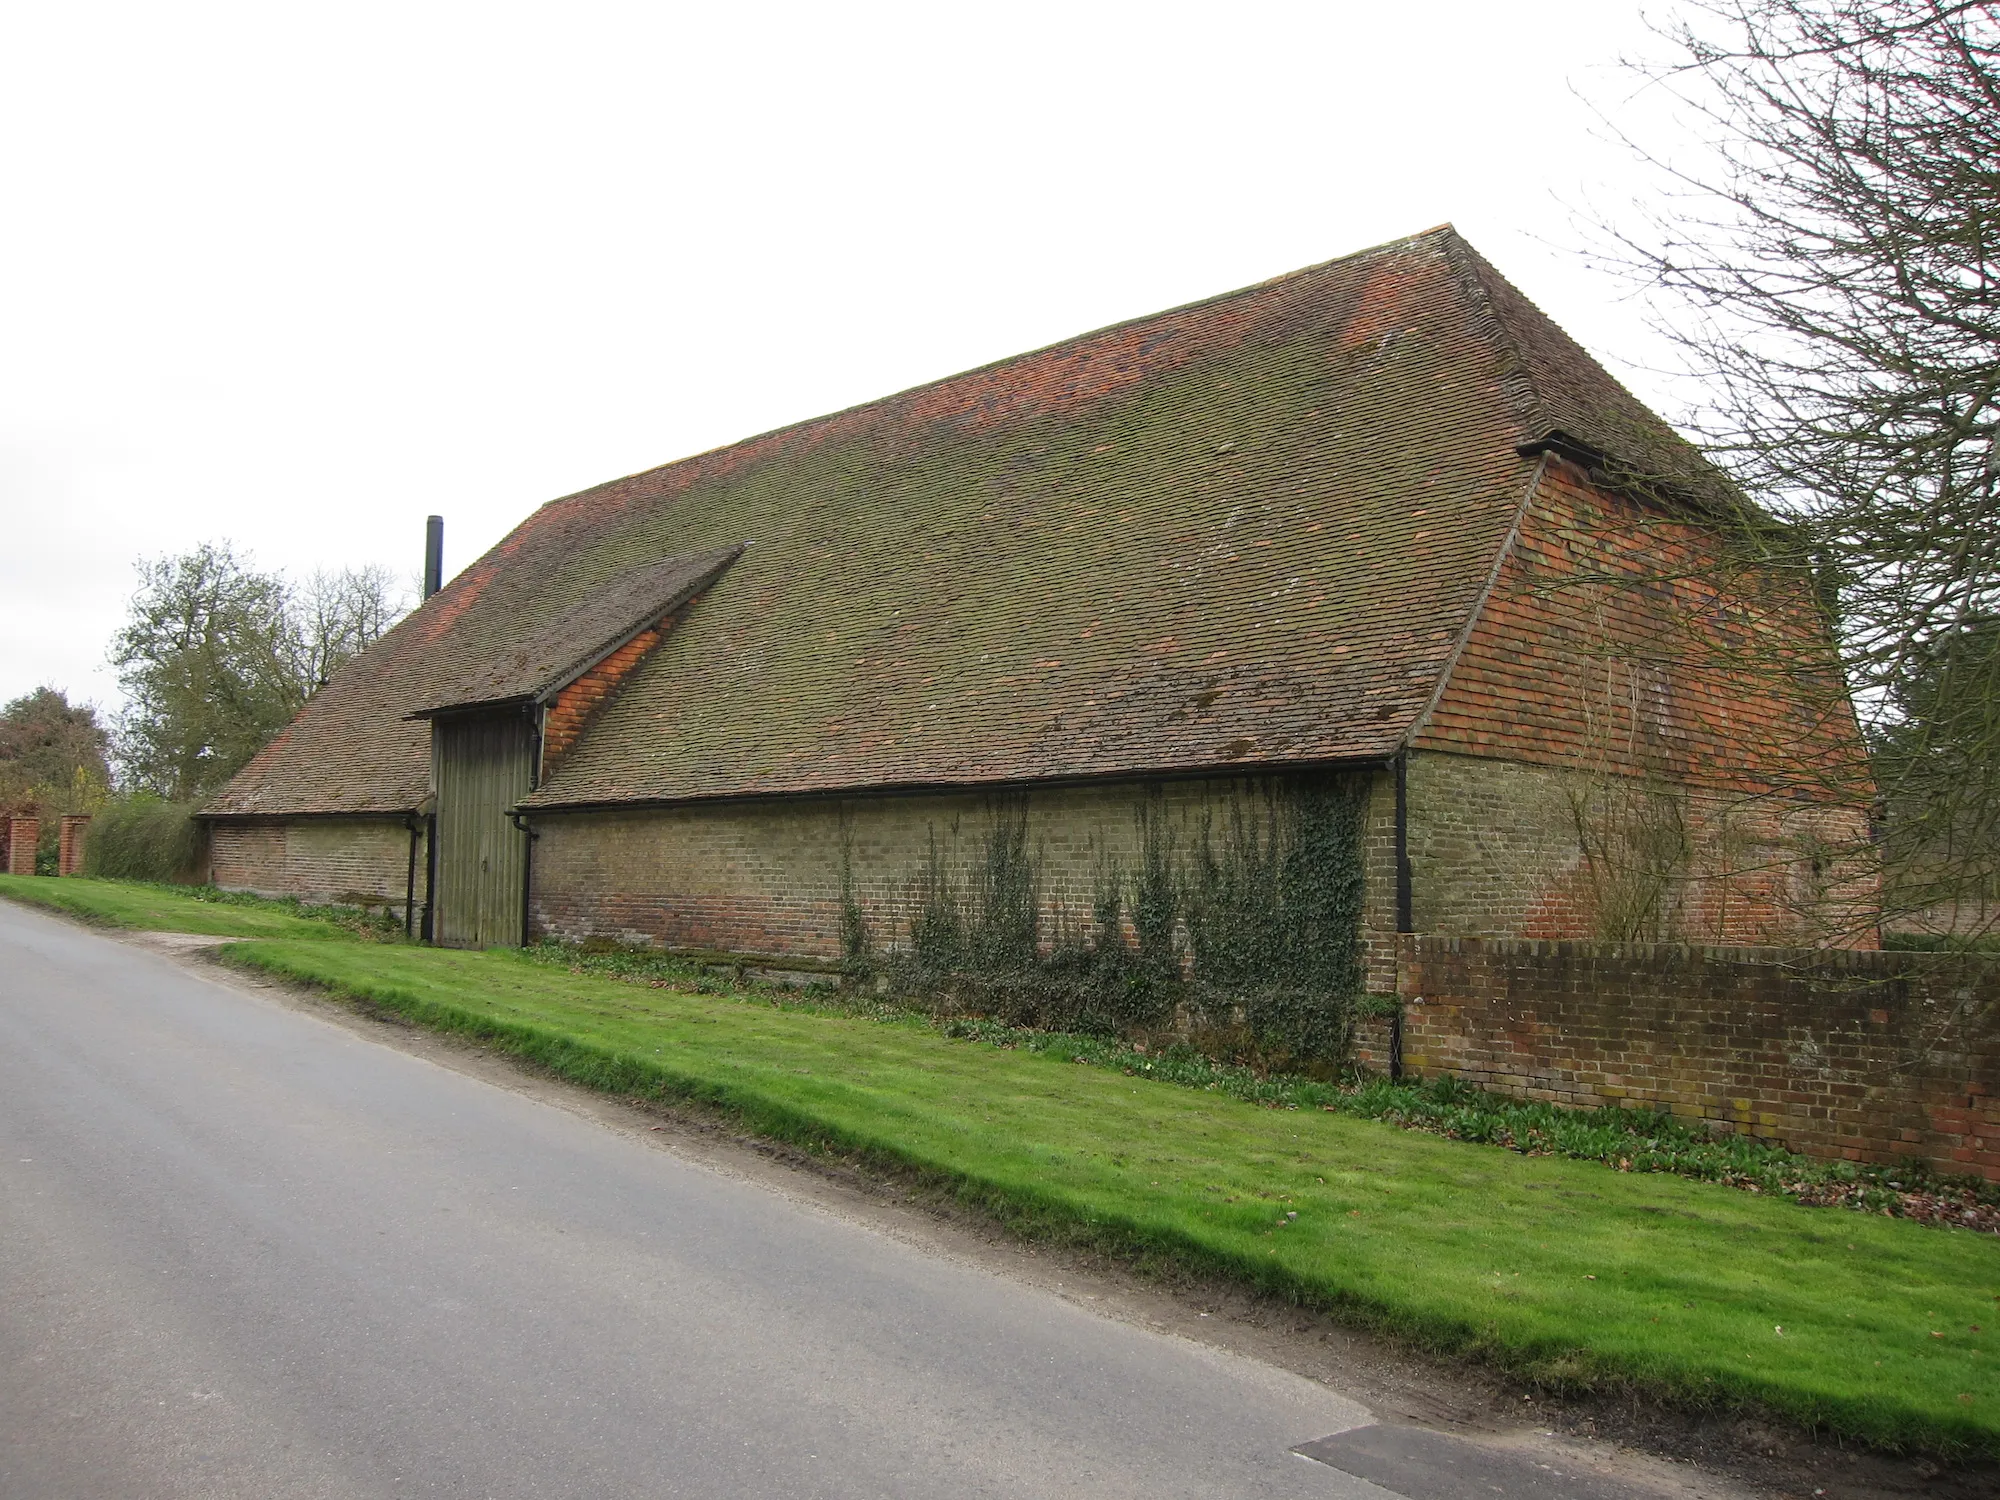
[217, 657]
[1831, 273]
[51, 744]
[53, 761]
[335, 616]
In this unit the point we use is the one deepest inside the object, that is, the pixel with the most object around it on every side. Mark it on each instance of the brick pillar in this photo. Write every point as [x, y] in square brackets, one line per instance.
[22, 836]
[69, 848]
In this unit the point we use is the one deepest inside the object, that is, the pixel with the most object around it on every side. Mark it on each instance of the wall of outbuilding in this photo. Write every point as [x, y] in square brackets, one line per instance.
[1644, 738]
[768, 876]
[1495, 851]
[349, 861]
[1504, 848]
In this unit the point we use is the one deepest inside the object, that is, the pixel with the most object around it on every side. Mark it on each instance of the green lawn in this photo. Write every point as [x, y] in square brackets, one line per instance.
[1562, 1270]
[160, 908]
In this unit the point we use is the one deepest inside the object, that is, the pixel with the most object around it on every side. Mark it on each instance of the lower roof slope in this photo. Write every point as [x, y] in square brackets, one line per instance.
[1242, 533]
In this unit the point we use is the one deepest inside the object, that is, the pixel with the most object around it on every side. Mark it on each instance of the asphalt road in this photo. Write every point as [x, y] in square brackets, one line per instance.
[245, 1251]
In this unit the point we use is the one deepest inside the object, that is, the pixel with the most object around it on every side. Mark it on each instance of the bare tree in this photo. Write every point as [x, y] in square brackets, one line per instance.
[1830, 269]
[338, 615]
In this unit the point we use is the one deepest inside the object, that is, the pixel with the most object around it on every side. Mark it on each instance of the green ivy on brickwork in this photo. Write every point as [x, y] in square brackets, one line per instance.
[1247, 941]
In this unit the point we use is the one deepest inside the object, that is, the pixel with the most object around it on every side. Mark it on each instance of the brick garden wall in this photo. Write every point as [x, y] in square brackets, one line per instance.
[352, 861]
[765, 877]
[1870, 1056]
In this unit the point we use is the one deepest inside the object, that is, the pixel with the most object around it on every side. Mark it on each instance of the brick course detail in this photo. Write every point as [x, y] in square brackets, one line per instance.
[351, 861]
[1868, 1056]
[69, 848]
[22, 835]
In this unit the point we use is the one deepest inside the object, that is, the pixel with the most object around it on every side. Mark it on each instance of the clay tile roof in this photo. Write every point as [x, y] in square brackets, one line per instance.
[1240, 534]
[551, 658]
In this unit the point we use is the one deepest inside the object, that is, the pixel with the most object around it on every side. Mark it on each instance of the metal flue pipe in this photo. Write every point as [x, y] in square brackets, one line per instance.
[433, 555]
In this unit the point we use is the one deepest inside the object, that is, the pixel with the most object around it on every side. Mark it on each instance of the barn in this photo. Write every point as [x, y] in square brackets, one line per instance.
[1366, 576]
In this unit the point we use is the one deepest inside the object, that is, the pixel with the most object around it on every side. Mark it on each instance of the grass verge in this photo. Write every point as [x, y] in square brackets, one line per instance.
[142, 907]
[1629, 1140]
[1557, 1270]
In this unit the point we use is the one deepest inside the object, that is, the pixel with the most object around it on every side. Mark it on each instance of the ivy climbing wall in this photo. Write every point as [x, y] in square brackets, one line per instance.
[781, 877]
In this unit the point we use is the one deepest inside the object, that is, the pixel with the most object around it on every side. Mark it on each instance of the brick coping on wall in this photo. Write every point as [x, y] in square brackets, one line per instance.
[1793, 958]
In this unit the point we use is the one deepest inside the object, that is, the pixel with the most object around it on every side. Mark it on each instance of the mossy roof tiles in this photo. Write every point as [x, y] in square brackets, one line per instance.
[556, 654]
[1241, 533]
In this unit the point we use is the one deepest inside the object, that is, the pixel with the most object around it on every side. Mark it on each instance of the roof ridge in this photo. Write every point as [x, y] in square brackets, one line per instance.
[1568, 402]
[1472, 271]
[1438, 231]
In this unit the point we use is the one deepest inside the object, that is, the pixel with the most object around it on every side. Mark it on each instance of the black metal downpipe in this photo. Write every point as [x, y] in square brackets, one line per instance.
[429, 933]
[537, 720]
[520, 821]
[1405, 902]
[413, 823]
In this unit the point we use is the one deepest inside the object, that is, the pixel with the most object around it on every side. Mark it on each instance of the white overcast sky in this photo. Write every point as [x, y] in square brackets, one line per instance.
[297, 276]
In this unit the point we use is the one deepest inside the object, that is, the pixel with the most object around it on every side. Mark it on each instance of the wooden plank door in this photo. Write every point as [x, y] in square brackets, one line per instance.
[484, 764]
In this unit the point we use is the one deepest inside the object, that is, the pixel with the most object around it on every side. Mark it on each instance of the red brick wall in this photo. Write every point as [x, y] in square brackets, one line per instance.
[21, 836]
[69, 849]
[1871, 1056]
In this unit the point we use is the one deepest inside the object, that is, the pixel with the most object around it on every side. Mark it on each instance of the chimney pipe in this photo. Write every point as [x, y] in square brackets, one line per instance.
[433, 555]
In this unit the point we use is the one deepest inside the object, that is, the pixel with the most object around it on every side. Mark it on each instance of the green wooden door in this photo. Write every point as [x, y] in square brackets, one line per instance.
[484, 765]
